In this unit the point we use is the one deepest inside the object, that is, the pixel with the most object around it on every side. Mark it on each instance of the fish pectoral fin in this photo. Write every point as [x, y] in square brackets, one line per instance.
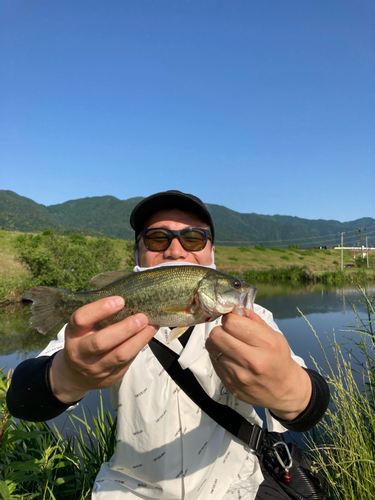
[173, 309]
[108, 277]
[176, 332]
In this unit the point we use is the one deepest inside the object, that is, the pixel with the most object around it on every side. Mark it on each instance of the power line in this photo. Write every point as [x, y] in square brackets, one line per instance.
[329, 238]
[281, 242]
[302, 241]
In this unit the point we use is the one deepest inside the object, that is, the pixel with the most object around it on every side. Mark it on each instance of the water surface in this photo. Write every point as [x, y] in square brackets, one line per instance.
[328, 309]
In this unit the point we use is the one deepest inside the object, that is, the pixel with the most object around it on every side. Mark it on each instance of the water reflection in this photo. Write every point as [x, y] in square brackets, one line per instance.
[17, 340]
[327, 308]
[284, 300]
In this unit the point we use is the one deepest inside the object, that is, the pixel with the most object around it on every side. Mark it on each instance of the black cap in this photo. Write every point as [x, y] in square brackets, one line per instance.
[169, 200]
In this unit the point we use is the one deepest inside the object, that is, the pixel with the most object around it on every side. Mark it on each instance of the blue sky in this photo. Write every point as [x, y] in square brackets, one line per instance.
[262, 106]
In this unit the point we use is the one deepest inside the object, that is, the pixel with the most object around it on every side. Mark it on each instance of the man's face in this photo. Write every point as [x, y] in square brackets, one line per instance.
[174, 219]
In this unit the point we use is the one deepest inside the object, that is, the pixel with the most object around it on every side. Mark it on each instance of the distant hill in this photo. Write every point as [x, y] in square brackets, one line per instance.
[109, 216]
[18, 213]
[106, 214]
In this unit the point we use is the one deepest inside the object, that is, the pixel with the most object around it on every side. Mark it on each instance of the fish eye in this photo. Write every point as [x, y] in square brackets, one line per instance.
[236, 284]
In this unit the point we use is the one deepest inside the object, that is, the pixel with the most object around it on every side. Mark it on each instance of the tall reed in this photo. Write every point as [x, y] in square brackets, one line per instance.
[343, 443]
[38, 462]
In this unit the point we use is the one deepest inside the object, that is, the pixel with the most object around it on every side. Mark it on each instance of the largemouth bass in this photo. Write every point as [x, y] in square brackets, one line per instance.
[173, 296]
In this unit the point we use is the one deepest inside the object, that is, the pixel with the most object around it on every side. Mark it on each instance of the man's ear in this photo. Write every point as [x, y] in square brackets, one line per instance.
[136, 255]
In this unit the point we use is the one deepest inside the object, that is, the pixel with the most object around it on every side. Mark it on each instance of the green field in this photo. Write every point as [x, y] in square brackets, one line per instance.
[234, 260]
[244, 258]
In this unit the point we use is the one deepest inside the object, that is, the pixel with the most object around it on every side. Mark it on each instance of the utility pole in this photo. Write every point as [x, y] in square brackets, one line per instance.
[342, 251]
[367, 251]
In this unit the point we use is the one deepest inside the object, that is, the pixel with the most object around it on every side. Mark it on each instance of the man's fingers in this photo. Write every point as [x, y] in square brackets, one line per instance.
[113, 336]
[249, 314]
[248, 330]
[96, 343]
[82, 320]
[134, 344]
[255, 317]
[245, 340]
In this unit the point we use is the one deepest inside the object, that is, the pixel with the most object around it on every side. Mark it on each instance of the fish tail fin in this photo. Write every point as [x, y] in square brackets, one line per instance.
[46, 309]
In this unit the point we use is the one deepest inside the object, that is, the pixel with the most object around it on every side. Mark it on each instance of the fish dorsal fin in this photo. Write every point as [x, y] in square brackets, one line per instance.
[104, 279]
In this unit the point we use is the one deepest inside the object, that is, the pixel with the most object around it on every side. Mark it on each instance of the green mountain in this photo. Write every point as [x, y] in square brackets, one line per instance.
[106, 214]
[18, 213]
[110, 216]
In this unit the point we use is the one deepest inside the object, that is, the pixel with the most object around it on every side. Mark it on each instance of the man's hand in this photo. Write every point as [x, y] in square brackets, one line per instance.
[94, 359]
[256, 365]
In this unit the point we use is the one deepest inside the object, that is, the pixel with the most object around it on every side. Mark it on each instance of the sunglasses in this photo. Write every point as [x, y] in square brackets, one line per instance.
[159, 239]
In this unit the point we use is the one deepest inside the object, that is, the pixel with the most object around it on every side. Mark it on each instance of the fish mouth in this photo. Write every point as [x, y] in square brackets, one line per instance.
[247, 298]
[246, 302]
[244, 298]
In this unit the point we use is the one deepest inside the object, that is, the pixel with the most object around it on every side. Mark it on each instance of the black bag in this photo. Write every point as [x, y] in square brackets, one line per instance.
[291, 469]
[285, 463]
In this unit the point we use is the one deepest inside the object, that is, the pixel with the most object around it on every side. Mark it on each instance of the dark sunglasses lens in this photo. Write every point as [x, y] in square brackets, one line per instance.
[157, 240]
[193, 239]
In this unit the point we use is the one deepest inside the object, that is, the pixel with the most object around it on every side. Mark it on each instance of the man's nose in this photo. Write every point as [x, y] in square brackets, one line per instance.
[175, 249]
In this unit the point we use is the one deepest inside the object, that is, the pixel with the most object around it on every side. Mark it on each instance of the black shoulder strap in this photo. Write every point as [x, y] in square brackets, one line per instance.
[233, 422]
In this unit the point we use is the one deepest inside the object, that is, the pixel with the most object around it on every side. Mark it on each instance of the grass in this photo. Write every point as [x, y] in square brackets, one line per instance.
[342, 444]
[12, 273]
[9, 266]
[317, 261]
[38, 462]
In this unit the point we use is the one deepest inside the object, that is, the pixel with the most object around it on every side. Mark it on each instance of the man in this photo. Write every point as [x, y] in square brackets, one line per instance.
[167, 447]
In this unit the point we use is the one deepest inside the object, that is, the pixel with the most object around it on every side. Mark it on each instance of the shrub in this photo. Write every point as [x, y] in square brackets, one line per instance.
[65, 261]
[308, 252]
[293, 273]
[360, 261]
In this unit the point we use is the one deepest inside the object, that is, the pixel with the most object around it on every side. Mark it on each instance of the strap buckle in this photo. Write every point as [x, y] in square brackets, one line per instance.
[257, 438]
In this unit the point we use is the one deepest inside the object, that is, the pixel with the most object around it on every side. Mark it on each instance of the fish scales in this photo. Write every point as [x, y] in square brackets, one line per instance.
[174, 296]
[165, 297]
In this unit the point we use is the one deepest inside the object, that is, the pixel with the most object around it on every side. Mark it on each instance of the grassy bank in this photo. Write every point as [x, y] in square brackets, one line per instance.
[256, 264]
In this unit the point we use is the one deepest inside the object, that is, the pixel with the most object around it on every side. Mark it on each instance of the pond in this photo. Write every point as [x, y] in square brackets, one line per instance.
[328, 309]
